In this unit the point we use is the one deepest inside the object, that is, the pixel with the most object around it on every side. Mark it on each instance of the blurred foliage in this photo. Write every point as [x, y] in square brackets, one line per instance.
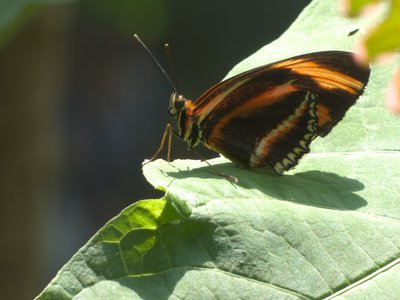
[386, 36]
[132, 14]
[355, 7]
[14, 14]
[383, 38]
[124, 14]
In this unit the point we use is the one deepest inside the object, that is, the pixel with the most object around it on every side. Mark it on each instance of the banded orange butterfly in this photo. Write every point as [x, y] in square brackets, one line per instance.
[269, 115]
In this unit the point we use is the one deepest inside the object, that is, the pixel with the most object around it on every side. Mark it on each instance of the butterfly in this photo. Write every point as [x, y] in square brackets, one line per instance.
[269, 115]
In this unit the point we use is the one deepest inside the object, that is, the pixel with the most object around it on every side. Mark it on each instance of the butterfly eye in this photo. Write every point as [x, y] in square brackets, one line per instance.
[180, 102]
[172, 111]
[177, 103]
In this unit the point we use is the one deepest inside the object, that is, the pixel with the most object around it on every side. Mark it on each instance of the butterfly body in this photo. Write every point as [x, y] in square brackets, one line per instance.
[268, 116]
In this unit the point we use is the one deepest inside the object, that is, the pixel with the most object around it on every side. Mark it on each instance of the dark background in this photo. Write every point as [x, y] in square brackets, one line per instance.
[82, 105]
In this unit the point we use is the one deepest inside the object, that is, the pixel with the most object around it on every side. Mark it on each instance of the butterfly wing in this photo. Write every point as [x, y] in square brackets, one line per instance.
[335, 77]
[270, 115]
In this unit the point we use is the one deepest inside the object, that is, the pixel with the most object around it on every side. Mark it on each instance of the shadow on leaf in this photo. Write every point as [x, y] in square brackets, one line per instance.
[316, 188]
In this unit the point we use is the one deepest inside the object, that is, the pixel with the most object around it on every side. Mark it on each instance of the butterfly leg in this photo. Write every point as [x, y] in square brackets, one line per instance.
[230, 178]
[168, 130]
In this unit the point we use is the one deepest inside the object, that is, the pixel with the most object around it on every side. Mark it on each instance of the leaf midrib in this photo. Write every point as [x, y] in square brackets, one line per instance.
[366, 278]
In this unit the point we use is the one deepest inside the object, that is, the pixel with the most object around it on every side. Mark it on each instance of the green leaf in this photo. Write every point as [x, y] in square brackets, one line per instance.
[331, 227]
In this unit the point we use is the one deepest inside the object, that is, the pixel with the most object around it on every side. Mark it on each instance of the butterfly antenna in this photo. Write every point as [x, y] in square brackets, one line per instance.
[171, 65]
[157, 62]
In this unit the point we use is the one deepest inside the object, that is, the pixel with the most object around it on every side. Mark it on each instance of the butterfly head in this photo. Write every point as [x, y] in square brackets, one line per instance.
[177, 110]
[177, 104]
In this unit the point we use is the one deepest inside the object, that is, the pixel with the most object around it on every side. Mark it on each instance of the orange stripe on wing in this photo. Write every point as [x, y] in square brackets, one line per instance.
[323, 115]
[328, 78]
[253, 104]
[263, 147]
[324, 76]
[207, 109]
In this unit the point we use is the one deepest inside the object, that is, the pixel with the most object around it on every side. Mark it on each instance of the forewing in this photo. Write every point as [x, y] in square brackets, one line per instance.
[334, 76]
